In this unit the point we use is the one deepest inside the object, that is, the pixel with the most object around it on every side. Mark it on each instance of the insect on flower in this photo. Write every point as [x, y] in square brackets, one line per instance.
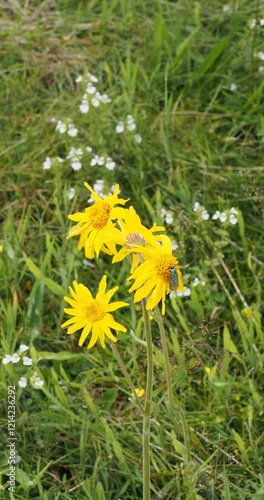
[174, 281]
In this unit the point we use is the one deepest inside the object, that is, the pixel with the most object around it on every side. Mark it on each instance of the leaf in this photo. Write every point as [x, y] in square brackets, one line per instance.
[33, 320]
[241, 445]
[228, 342]
[58, 356]
[52, 285]
[211, 58]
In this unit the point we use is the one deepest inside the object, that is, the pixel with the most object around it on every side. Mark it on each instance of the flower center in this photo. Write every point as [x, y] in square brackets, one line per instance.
[135, 239]
[95, 312]
[164, 265]
[99, 214]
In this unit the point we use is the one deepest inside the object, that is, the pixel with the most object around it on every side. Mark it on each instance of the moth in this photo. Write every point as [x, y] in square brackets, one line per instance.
[174, 282]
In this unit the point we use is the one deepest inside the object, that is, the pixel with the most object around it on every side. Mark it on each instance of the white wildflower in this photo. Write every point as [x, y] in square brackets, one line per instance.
[23, 348]
[84, 106]
[22, 382]
[15, 358]
[252, 24]
[72, 130]
[27, 361]
[61, 127]
[138, 138]
[205, 215]
[216, 215]
[233, 211]
[88, 149]
[6, 359]
[74, 152]
[169, 218]
[174, 245]
[109, 164]
[79, 79]
[120, 128]
[90, 89]
[196, 206]
[105, 99]
[97, 160]
[226, 8]
[92, 78]
[96, 101]
[232, 219]
[222, 217]
[38, 382]
[233, 87]
[60, 160]
[261, 70]
[47, 163]
[261, 55]
[98, 186]
[71, 193]
[76, 164]
[130, 123]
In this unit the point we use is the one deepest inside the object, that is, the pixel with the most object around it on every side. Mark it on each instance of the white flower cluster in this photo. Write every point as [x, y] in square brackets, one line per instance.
[230, 215]
[201, 211]
[223, 216]
[15, 358]
[62, 127]
[91, 95]
[75, 155]
[48, 162]
[101, 160]
[167, 215]
[197, 282]
[185, 293]
[129, 125]
[253, 23]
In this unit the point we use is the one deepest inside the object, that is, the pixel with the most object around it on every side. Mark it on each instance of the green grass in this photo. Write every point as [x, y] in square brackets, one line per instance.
[170, 65]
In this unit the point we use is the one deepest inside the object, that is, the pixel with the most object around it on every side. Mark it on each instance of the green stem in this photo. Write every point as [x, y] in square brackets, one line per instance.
[148, 405]
[163, 337]
[159, 320]
[126, 375]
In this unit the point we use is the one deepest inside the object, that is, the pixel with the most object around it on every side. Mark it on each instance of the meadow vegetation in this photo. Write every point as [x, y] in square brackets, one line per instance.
[191, 76]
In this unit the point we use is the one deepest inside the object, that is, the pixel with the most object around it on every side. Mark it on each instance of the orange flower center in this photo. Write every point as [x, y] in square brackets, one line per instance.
[164, 266]
[95, 312]
[135, 239]
[99, 214]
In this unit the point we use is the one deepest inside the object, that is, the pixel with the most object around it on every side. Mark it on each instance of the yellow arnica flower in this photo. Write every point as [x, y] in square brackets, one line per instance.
[131, 233]
[96, 221]
[91, 314]
[157, 276]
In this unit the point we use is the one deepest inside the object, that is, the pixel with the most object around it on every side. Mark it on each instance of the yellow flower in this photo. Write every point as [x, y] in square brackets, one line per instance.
[153, 278]
[247, 312]
[92, 314]
[131, 233]
[139, 392]
[96, 221]
[1, 248]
